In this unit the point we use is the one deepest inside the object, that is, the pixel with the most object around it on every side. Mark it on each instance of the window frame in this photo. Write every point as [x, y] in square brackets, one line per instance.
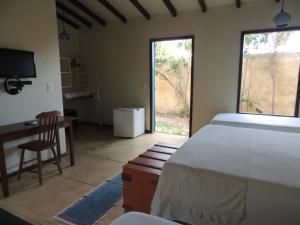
[270, 30]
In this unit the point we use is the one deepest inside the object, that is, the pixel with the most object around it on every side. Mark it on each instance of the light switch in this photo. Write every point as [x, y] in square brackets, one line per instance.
[50, 87]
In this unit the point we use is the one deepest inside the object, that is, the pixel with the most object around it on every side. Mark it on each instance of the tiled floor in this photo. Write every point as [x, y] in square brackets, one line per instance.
[99, 156]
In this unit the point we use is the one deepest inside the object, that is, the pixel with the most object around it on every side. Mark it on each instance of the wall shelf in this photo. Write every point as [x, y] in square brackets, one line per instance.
[77, 98]
[65, 72]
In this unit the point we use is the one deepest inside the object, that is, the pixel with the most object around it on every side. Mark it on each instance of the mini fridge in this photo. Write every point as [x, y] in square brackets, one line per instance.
[129, 122]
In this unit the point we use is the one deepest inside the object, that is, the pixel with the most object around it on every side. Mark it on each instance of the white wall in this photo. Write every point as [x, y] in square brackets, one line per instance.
[120, 52]
[31, 25]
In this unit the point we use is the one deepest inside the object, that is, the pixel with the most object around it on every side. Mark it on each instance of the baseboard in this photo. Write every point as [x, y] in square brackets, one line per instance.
[86, 122]
[98, 124]
[109, 126]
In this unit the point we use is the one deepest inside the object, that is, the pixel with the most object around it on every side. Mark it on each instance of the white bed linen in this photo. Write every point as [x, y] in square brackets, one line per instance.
[135, 218]
[277, 123]
[267, 162]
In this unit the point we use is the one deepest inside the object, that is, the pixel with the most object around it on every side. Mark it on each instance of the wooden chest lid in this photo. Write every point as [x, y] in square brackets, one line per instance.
[156, 155]
[151, 163]
[162, 149]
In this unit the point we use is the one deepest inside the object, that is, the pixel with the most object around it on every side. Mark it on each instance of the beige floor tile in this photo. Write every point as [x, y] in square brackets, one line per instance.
[148, 140]
[141, 141]
[117, 151]
[29, 180]
[92, 170]
[41, 203]
[89, 136]
[19, 215]
[98, 156]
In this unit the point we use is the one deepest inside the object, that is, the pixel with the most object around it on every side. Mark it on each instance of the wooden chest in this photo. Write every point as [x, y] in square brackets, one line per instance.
[140, 177]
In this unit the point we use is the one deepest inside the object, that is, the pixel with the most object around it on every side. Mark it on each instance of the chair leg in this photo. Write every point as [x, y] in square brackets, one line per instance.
[21, 164]
[39, 159]
[56, 160]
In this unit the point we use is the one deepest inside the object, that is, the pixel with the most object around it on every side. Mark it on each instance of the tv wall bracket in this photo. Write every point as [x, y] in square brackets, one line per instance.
[14, 86]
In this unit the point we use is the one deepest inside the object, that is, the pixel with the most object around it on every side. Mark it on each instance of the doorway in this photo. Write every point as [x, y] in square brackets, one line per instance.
[172, 85]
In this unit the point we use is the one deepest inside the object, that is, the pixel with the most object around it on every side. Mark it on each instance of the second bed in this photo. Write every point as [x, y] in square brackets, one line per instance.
[232, 175]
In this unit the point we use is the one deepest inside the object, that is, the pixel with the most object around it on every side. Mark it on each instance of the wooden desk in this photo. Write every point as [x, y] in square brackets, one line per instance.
[20, 130]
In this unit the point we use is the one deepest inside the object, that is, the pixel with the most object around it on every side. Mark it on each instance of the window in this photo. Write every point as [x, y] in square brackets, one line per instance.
[269, 72]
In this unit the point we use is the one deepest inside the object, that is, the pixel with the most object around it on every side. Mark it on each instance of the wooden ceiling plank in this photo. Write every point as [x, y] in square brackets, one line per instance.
[67, 21]
[203, 5]
[113, 10]
[171, 8]
[140, 8]
[89, 12]
[72, 13]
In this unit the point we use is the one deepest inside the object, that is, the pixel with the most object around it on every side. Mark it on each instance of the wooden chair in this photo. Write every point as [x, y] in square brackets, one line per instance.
[46, 140]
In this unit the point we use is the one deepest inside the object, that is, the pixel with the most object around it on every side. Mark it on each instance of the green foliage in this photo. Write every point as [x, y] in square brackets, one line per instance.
[186, 44]
[160, 54]
[256, 38]
[272, 40]
[184, 113]
[271, 45]
[169, 67]
[176, 65]
[251, 103]
[170, 128]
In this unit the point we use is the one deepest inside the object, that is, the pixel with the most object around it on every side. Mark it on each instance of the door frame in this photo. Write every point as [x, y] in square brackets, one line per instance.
[152, 91]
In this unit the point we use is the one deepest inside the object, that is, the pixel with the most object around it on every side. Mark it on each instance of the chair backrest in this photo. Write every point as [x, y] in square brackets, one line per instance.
[48, 126]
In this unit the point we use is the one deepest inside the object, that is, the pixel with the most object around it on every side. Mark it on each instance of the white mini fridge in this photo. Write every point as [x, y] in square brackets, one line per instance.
[129, 122]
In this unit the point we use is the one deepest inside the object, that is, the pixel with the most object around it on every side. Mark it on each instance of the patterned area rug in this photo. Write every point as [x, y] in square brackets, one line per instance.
[92, 207]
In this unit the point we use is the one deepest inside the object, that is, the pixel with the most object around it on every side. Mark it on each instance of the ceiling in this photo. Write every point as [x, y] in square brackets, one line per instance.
[126, 8]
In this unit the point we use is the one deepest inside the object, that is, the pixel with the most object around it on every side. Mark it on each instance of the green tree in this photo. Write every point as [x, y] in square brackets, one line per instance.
[166, 66]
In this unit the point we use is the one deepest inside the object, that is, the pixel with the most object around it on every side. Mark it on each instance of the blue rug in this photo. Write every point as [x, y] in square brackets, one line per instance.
[92, 207]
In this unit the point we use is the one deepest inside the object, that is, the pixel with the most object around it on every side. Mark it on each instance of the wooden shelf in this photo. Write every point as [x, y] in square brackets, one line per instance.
[74, 77]
[66, 74]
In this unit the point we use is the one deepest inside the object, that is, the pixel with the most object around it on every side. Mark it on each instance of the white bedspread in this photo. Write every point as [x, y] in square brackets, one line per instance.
[276, 123]
[208, 179]
[135, 218]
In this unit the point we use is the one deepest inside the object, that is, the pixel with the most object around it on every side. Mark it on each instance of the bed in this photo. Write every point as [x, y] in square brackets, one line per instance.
[277, 123]
[135, 218]
[232, 175]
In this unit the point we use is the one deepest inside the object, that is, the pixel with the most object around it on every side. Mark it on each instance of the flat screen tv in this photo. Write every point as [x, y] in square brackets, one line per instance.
[16, 63]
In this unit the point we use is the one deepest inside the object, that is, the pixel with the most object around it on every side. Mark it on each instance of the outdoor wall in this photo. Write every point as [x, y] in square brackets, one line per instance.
[120, 53]
[167, 99]
[30, 25]
[257, 83]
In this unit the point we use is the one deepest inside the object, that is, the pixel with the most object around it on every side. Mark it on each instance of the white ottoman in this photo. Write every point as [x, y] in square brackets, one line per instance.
[135, 218]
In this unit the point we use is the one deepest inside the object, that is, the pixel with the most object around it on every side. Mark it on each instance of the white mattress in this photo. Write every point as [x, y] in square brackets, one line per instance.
[277, 123]
[135, 218]
[223, 172]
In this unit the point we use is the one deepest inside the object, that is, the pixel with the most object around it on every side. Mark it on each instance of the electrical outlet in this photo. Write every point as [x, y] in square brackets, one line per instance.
[50, 87]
